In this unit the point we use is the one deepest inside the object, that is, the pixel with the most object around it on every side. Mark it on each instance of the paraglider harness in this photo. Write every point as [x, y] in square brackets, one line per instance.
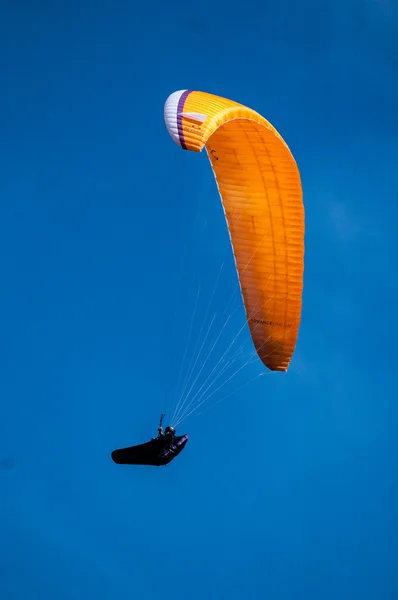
[158, 451]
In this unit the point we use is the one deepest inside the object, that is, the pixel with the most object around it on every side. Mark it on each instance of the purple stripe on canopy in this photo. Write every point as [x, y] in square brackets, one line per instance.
[180, 109]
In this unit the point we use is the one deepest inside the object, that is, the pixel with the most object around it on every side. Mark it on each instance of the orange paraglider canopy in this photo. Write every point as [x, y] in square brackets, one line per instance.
[260, 188]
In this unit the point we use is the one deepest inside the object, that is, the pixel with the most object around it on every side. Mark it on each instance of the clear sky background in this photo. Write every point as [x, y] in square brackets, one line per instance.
[288, 489]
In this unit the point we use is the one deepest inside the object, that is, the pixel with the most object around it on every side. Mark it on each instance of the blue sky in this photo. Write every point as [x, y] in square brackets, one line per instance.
[287, 489]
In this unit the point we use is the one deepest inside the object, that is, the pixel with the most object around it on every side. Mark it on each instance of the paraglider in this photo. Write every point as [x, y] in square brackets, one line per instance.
[260, 188]
[158, 452]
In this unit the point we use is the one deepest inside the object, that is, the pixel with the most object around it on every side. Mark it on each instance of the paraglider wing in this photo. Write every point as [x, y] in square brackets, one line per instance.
[260, 188]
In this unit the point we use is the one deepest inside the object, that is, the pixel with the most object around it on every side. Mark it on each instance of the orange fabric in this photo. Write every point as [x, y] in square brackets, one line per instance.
[260, 188]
